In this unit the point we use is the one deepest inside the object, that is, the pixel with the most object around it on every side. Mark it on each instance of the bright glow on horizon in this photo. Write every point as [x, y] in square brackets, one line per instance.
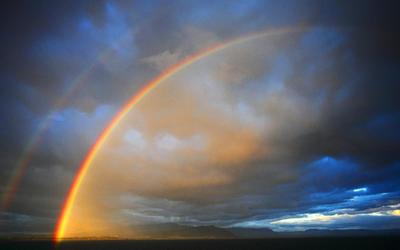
[301, 222]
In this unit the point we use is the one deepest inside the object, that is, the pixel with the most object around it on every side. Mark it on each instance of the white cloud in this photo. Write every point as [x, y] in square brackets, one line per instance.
[163, 60]
[135, 139]
[170, 142]
[362, 190]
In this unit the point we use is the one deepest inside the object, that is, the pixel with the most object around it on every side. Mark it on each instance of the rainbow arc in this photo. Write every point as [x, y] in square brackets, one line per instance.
[131, 103]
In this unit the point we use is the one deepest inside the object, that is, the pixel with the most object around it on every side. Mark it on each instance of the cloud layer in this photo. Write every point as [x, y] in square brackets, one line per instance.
[260, 134]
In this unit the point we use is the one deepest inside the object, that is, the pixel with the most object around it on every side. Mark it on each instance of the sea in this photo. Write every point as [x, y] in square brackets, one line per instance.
[318, 243]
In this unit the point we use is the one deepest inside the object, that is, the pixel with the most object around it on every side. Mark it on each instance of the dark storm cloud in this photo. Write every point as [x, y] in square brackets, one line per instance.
[23, 24]
[45, 44]
[356, 87]
[367, 75]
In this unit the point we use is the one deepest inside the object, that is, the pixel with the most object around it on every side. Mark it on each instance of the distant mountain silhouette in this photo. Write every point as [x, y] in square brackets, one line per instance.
[351, 232]
[175, 231]
[252, 232]
[268, 233]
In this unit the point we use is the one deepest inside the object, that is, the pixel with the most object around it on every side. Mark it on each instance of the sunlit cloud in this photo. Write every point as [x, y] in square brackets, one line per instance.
[358, 190]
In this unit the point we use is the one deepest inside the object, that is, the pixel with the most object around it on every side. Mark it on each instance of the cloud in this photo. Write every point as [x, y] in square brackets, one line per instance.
[163, 60]
[288, 124]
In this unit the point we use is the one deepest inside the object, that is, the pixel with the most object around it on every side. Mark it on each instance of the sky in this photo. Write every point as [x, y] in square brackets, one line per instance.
[295, 129]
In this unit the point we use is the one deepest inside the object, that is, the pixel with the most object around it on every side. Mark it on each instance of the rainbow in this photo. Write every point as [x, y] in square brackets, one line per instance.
[36, 139]
[132, 102]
